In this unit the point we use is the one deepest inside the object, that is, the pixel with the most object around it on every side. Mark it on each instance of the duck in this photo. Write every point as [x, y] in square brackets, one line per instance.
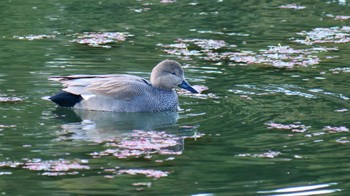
[123, 92]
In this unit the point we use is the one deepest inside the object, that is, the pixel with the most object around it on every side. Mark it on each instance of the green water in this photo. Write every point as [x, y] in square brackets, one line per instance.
[237, 155]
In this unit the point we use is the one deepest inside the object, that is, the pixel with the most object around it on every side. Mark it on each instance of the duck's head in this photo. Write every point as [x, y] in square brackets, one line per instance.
[169, 74]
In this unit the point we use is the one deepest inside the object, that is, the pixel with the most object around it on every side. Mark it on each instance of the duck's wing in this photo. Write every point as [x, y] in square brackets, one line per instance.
[124, 87]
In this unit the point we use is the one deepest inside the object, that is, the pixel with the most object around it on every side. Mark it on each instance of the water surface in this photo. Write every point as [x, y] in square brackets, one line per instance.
[258, 130]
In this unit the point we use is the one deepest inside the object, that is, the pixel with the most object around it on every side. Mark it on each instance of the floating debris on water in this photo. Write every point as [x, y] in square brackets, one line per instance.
[205, 44]
[54, 165]
[336, 129]
[141, 10]
[147, 172]
[34, 37]
[141, 143]
[295, 127]
[272, 89]
[144, 144]
[341, 110]
[342, 140]
[142, 184]
[11, 164]
[269, 154]
[340, 70]
[93, 39]
[342, 17]
[246, 97]
[292, 6]
[199, 95]
[315, 134]
[10, 99]
[288, 57]
[5, 173]
[220, 33]
[276, 56]
[136, 144]
[7, 126]
[59, 173]
[167, 1]
[325, 35]
[198, 88]
[185, 48]
[100, 39]
[338, 17]
[50, 167]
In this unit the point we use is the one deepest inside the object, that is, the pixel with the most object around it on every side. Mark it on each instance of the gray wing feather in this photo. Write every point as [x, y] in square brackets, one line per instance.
[118, 86]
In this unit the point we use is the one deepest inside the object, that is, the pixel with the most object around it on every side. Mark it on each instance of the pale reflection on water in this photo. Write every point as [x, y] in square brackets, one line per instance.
[129, 134]
[101, 126]
[318, 189]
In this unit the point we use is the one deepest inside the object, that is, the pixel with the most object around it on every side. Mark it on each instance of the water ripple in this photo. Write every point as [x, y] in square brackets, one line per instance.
[287, 89]
[302, 190]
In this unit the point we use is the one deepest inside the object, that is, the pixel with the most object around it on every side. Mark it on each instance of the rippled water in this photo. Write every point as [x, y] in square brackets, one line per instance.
[258, 130]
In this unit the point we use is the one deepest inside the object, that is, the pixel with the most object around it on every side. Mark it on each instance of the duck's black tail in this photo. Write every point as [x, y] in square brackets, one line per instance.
[65, 99]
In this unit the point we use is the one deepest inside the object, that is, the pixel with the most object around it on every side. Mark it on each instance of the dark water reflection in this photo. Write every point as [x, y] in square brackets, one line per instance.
[242, 152]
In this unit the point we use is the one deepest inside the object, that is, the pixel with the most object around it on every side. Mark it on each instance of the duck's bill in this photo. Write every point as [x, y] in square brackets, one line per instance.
[187, 86]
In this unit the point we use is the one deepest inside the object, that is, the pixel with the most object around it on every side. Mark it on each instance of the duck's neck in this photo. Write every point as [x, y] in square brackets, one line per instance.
[158, 85]
[163, 89]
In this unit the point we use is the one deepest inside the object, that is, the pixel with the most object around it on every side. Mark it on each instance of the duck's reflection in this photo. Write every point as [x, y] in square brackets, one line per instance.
[99, 126]
[125, 134]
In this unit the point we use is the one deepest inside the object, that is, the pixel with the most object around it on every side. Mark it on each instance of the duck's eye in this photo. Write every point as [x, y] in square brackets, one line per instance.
[174, 73]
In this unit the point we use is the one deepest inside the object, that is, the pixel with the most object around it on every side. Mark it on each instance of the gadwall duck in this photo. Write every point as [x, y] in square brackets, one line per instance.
[124, 93]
